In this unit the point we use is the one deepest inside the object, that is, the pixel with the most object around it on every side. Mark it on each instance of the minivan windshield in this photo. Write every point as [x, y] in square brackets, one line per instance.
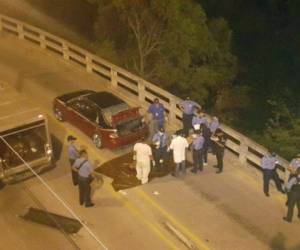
[28, 141]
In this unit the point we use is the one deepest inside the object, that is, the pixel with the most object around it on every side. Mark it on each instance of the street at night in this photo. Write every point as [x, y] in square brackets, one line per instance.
[194, 211]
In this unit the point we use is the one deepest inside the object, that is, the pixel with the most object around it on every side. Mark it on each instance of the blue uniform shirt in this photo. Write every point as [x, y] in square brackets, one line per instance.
[214, 126]
[295, 164]
[199, 120]
[161, 138]
[189, 106]
[198, 142]
[269, 162]
[158, 112]
[293, 181]
[85, 170]
[72, 151]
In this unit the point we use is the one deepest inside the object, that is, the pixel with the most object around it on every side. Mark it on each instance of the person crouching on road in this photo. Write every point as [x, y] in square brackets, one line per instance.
[73, 155]
[293, 189]
[197, 149]
[160, 141]
[179, 145]
[85, 176]
[142, 153]
[268, 164]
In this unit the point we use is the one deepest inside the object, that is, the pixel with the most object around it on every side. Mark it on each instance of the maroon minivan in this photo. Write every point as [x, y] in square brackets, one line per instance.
[104, 117]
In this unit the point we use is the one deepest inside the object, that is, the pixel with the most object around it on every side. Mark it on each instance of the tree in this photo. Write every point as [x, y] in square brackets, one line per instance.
[171, 43]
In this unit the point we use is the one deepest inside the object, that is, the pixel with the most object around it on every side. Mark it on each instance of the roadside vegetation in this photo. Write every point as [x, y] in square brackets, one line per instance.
[238, 58]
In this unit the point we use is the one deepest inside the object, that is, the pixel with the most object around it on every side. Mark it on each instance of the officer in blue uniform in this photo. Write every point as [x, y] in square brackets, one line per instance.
[73, 155]
[197, 149]
[160, 142]
[157, 111]
[293, 189]
[85, 171]
[199, 119]
[188, 108]
[268, 164]
[214, 125]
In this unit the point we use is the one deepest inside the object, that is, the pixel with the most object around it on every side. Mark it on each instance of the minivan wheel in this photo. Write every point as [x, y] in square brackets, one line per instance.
[97, 140]
[58, 114]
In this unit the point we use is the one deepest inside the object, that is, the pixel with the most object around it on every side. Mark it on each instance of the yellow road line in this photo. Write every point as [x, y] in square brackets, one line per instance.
[171, 219]
[128, 205]
[137, 213]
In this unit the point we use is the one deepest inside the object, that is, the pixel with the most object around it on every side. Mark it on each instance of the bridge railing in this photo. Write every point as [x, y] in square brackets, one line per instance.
[246, 149]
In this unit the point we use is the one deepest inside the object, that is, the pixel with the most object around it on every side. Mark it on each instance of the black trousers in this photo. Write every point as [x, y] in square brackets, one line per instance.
[159, 154]
[84, 190]
[294, 199]
[187, 123]
[198, 160]
[220, 156]
[206, 146]
[74, 173]
[268, 175]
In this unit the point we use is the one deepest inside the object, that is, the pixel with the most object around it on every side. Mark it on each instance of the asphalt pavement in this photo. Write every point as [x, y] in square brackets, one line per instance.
[227, 211]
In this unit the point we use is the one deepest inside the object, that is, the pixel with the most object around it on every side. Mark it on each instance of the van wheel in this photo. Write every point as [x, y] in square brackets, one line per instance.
[97, 140]
[58, 114]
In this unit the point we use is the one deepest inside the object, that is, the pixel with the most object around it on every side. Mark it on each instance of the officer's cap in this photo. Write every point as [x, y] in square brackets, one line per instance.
[71, 138]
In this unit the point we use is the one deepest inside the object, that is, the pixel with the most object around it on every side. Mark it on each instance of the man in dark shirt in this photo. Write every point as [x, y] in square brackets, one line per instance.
[219, 141]
[293, 189]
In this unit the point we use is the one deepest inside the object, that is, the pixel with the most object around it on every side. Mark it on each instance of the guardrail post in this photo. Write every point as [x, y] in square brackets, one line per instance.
[114, 77]
[42, 41]
[89, 67]
[20, 31]
[65, 50]
[141, 90]
[243, 151]
[172, 110]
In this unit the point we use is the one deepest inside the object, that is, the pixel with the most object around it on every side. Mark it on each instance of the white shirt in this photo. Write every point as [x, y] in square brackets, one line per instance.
[179, 144]
[143, 152]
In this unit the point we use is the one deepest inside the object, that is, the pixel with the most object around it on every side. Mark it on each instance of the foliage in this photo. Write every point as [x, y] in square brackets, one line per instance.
[171, 43]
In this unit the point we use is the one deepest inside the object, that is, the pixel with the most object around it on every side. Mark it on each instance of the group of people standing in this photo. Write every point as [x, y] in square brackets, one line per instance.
[269, 165]
[206, 136]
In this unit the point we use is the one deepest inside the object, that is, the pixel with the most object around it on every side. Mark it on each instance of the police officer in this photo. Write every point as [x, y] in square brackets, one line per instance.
[219, 141]
[294, 165]
[214, 125]
[157, 111]
[293, 189]
[160, 142]
[268, 164]
[85, 172]
[207, 141]
[73, 155]
[188, 108]
[199, 119]
[197, 149]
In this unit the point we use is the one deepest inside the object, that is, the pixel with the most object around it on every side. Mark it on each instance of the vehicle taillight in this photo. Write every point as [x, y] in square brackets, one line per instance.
[114, 135]
[48, 150]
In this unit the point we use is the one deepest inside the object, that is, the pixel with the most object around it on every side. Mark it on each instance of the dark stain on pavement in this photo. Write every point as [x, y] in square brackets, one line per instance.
[122, 171]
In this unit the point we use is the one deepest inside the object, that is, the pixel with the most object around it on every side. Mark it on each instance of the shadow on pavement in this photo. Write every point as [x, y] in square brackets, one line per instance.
[122, 171]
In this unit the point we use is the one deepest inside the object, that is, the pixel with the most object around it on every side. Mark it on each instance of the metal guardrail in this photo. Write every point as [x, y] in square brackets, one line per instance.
[246, 149]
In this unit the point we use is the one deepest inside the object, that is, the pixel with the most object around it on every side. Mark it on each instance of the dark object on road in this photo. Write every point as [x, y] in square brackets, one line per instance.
[60, 222]
[122, 171]
[2, 185]
[108, 120]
